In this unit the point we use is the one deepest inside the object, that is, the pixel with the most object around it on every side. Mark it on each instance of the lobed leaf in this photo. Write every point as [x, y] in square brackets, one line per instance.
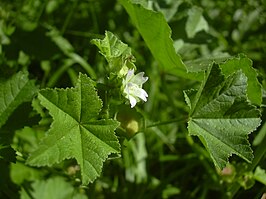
[76, 132]
[111, 46]
[222, 117]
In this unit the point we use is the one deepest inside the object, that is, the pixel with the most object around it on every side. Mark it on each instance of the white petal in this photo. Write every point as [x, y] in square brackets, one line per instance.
[132, 101]
[143, 95]
[130, 74]
[127, 91]
[132, 85]
[139, 92]
[139, 79]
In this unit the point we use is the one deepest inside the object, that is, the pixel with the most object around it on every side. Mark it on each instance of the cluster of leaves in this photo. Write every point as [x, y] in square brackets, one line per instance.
[62, 114]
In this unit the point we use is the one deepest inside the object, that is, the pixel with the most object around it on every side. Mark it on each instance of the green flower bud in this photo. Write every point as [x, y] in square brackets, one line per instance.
[130, 120]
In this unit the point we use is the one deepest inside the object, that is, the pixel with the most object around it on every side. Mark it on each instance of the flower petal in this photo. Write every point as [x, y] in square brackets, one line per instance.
[132, 87]
[139, 79]
[130, 74]
[132, 101]
[141, 93]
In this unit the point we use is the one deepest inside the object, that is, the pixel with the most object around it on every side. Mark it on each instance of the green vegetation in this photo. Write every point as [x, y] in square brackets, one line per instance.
[132, 99]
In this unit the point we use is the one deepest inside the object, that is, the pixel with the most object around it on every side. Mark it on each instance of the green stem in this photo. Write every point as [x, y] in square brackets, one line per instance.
[57, 74]
[106, 105]
[85, 65]
[84, 34]
[166, 122]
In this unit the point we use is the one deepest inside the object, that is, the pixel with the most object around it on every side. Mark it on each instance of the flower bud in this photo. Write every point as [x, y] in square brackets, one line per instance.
[130, 121]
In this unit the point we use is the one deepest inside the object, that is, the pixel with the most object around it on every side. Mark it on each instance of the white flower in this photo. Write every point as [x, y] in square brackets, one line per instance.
[132, 87]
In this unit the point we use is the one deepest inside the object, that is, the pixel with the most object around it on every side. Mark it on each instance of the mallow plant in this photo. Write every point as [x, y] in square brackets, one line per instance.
[220, 113]
[91, 121]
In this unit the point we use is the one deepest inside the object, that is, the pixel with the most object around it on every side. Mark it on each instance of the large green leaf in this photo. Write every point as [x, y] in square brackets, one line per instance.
[76, 132]
[13, 92]
[157, 35]
[222, 117]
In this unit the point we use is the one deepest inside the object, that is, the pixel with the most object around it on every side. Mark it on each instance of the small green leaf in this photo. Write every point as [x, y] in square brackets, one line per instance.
[260, 175]
[55, 187]
[20, 173]
[170, 190]
[222, 117]
[27, 139]
[195, 22]
[114, 51]
[254, 90]
[157, 35]
[13, 92]
[76, 131]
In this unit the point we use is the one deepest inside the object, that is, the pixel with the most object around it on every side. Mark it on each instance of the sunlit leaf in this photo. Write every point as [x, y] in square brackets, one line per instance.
[157, 35]
[76, 131]
[115, 51]
[222, 117]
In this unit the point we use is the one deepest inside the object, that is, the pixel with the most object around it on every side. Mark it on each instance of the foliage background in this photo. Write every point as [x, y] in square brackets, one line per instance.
[51, 40]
